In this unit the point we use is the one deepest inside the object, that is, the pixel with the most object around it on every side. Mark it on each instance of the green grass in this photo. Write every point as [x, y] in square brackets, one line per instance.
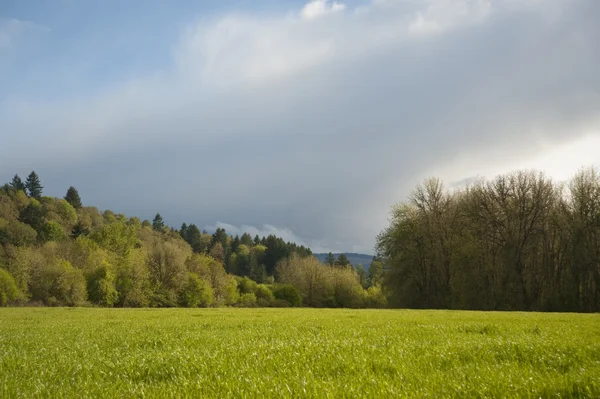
[296, 352]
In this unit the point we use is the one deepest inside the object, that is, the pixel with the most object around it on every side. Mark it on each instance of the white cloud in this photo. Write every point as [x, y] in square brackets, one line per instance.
[442, 15]
[320, 8]
[266, 120]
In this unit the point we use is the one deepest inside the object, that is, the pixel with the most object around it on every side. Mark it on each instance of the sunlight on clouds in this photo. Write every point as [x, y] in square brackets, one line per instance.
[442, 15]
[320, 8]
[562, 162]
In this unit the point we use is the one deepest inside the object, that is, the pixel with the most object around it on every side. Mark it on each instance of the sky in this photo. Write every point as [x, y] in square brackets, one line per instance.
[304, 119]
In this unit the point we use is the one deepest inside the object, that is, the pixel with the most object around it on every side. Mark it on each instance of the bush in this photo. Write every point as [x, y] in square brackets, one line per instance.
[375, 298]
[101, 286]
[246, 285]
[196, 292]
[263, 292]
[59, 283]
[247, 300]
[8, 288]
[288, 293]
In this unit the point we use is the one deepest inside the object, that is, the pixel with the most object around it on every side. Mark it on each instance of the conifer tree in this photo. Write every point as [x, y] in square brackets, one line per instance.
[34, 186]
[17, 184]
[330, 259]
[157, 223]
[73, 198]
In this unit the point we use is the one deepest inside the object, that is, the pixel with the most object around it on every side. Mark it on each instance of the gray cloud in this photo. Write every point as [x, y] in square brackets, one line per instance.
[318, 125]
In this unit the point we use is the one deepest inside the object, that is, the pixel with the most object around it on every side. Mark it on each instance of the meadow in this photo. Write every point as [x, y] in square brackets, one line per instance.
[88, 352]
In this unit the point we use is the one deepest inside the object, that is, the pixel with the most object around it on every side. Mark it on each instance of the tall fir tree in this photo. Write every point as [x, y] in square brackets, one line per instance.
[17, 184]
[330, 259]
[73, 198]
[342, 261]
[158, 223]
[34, 186]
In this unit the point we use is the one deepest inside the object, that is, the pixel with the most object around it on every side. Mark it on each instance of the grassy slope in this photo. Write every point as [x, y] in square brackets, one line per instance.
[319, 353]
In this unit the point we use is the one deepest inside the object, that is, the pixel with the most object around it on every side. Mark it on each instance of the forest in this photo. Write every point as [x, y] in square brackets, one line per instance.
[518, 242]
[58, 252]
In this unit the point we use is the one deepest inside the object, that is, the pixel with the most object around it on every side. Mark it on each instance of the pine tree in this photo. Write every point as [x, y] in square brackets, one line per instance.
[342, 260]
[17, 184]
[157, 223]
[79, 230]
[330, 259]
[73, 198]
[34, 186]
[183, 232]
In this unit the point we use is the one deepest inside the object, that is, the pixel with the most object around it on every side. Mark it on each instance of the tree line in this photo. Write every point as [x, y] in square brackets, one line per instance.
[58, 252]
[517, 242]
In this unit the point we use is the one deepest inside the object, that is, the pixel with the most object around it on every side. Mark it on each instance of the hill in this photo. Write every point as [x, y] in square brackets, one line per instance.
[354, 258]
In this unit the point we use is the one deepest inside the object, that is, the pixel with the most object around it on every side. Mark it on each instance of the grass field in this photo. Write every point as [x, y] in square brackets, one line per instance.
[296, 352]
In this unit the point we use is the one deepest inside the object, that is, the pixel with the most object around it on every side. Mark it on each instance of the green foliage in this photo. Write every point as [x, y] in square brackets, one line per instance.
[58, 283]
[51, 231]
[196, 293]
[16, 233]
[330, 259]
[17, 184]
[73, 198]
[288, 293]
[246, 285]
[34, 186]
[33, 214]
[101, 286]
[66, 213]
[247, 300]
[263, 293]
[157, 223]
[8, 288]
[116, 236]
[342, 261]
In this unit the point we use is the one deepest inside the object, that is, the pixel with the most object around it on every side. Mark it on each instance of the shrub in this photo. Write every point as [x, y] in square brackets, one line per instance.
[247, 300]
[196, 292]
[263, 292]
[287, 293]
[59, 283]
[8, 288]
[246, 285]
[101, 286]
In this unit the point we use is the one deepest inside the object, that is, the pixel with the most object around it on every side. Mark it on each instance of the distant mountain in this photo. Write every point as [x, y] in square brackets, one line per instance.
[355, 259]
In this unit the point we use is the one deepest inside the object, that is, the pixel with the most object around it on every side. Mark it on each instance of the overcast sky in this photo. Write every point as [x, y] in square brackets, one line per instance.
[307, 120]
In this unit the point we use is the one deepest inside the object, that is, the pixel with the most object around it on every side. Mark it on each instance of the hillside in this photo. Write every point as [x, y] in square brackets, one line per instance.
[354, 258]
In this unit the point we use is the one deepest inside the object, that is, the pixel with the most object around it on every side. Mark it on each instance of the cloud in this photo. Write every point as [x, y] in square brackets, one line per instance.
[318, 126]
[440, 16]
[320, 8]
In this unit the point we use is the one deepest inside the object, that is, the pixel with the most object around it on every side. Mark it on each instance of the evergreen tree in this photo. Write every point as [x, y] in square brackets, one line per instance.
[247, 240]
[17, 184]
[34, 186]
[256, 240]
[342, 261]
[79, 230]
[73, 198]
[330, 259]
[183, 232]
[157, 223]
